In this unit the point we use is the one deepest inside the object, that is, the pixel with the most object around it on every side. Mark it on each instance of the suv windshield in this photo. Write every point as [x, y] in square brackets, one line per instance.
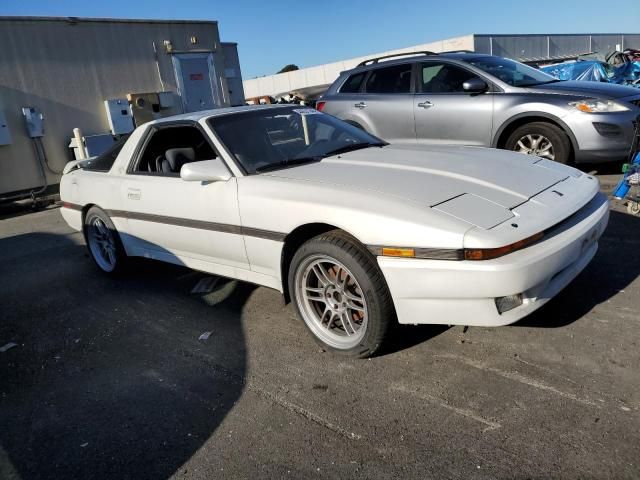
[272, 138]
[514, 73]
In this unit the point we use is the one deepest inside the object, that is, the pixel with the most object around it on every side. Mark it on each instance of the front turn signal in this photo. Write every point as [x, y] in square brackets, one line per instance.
[398, 252]
[489, 253]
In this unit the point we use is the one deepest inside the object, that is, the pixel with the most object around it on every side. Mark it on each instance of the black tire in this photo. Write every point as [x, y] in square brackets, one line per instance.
[558, 138]
[362, 265]
[97, 223]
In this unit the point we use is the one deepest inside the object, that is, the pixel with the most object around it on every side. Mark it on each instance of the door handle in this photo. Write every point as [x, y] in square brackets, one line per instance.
[426, 104]
[360, 105]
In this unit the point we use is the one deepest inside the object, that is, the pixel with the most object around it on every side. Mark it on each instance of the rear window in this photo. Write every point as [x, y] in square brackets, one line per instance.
[352, 85]
[396, 79]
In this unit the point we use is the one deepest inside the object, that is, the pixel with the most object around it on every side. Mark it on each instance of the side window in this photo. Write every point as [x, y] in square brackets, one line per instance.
[352, 85]
[443, 78]
[171, 147]
[396, 79]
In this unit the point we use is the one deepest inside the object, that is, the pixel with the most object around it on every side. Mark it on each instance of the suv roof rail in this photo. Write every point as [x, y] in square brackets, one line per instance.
[459, 51]
[377, 59]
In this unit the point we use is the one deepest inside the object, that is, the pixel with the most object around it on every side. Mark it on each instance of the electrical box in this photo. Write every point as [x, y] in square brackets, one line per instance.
[166, 99]
[145, 107]
[119, 116]
[35, 122]
[5, 136]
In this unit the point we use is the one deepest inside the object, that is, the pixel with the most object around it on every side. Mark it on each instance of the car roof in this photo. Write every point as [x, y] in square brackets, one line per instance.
[218, 112]
[462, 56]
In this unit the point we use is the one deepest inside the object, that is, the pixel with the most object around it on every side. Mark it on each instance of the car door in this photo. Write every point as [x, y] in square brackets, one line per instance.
[385, 105]
[447, 114]
[170, 217]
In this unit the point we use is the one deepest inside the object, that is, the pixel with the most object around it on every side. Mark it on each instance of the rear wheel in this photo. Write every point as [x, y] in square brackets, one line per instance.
[103, 241]
[542, 139]
[340, 294]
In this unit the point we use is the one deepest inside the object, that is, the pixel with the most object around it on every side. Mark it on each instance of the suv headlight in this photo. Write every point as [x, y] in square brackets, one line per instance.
[593, 105]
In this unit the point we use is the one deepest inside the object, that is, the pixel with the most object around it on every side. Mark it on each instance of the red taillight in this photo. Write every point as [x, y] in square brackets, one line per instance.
[320, 106]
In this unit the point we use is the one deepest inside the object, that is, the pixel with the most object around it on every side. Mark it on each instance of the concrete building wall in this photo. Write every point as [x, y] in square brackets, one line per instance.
[325, 74]
[233, 74]
[67, 67]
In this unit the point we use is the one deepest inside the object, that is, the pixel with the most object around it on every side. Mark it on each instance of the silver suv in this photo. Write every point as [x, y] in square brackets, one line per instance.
[477, 99]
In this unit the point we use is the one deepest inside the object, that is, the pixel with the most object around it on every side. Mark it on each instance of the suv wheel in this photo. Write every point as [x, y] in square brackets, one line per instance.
[542, 139]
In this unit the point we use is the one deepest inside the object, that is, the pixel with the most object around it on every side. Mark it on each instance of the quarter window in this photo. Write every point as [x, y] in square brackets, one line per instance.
[352, 85]
[443, 78]
[396, 79]
[104, 162]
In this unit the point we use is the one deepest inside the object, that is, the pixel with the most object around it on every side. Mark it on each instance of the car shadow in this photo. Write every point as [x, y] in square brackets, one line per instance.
[615, 266]
[111, 377]
[403, 337]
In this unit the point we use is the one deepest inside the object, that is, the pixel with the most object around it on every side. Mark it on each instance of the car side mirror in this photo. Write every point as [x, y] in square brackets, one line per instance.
[205, 171]
[475, 85]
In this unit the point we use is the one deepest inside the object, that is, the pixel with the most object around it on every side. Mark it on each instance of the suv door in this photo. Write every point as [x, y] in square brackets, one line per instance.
[445, 113]
[385, 105]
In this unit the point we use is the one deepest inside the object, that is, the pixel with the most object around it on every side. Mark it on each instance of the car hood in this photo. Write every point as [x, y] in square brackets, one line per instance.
[588, 89]
[431, 175]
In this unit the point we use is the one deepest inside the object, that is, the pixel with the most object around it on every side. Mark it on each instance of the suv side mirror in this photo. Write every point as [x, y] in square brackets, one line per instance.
[205, 171]
[475, 85]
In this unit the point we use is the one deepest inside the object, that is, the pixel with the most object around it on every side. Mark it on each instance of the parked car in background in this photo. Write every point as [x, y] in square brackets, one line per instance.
[358, 233]
[477, 99]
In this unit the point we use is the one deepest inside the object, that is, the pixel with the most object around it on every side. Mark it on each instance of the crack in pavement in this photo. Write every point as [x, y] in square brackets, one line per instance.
[515, 376]
[490, 425]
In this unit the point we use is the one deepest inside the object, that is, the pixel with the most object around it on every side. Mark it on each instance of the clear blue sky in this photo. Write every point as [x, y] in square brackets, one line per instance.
[273, 33]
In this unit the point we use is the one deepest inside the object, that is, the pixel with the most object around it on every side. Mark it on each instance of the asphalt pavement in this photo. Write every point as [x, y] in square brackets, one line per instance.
[141, 377]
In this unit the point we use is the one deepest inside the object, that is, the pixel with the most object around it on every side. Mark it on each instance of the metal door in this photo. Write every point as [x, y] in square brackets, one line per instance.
[385, 106]
[197, 81]
[444, 113]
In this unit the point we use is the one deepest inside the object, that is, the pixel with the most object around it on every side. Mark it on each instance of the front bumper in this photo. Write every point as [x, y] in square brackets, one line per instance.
[463, 292]
[602, 137]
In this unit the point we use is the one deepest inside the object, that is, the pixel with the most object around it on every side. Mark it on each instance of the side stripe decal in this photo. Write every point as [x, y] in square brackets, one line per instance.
[190, 223]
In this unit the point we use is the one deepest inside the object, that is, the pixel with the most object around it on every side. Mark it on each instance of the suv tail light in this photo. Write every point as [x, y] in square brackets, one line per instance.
[320, 106]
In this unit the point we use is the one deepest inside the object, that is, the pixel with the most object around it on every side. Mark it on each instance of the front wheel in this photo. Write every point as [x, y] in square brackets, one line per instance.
[542, 139]
[103, 241]
[340, 294]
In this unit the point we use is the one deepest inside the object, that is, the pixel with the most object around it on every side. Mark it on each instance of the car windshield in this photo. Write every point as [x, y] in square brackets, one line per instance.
[514, 73]
[272, 138]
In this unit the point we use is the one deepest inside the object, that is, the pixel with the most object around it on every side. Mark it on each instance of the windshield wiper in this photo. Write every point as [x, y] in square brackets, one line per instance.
[354, 146]
[543, 83]
[291, 162]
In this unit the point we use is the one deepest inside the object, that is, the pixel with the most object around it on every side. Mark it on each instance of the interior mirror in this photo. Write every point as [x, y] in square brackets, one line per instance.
[474, 85]
[205, 171]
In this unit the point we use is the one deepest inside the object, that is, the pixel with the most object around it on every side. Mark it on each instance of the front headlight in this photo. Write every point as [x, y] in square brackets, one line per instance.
[593, 105]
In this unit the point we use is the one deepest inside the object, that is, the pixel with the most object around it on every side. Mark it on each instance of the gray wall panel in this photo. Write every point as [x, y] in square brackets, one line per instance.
[605, 43]
[632, 41]
[68, 69]
[563, 45]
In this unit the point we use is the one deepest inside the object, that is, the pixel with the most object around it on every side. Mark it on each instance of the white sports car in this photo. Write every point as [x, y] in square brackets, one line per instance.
[356, 232]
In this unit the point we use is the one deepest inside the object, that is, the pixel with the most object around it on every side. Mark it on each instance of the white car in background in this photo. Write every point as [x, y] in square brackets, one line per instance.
[356, 232]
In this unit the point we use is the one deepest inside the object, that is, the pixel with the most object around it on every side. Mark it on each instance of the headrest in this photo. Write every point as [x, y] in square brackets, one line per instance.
[179, 156]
